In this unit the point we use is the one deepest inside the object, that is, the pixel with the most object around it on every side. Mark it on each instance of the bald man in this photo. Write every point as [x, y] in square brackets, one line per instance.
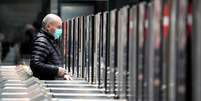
[46, 60]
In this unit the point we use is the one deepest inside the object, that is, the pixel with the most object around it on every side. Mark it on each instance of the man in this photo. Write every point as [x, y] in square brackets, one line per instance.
[46, 60]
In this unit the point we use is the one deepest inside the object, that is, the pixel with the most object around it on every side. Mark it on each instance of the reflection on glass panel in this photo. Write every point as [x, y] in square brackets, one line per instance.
[68, 11]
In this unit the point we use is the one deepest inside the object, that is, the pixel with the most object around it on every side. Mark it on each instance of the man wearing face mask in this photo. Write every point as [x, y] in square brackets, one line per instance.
[46, 60]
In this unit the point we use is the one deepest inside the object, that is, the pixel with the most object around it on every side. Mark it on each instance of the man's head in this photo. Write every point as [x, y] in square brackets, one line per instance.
[52, 24]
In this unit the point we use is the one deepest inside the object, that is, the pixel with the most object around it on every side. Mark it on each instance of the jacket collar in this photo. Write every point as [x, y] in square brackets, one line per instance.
[47, 34]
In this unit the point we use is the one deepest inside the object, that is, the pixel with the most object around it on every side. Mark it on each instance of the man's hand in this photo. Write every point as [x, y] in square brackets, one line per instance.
[67, 77]
[61, 72]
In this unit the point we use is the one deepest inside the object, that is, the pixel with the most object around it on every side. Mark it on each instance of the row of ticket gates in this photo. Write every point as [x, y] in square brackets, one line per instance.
[140, 52]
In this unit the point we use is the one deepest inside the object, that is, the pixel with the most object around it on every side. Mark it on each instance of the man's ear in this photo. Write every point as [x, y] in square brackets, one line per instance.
[48, 27]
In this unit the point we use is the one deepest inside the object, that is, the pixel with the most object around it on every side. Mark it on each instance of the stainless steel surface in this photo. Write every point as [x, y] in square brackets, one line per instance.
[16, 86]
[76, 89]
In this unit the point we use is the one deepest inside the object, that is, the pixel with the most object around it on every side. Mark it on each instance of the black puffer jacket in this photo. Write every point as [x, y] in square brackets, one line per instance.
[45, 56]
